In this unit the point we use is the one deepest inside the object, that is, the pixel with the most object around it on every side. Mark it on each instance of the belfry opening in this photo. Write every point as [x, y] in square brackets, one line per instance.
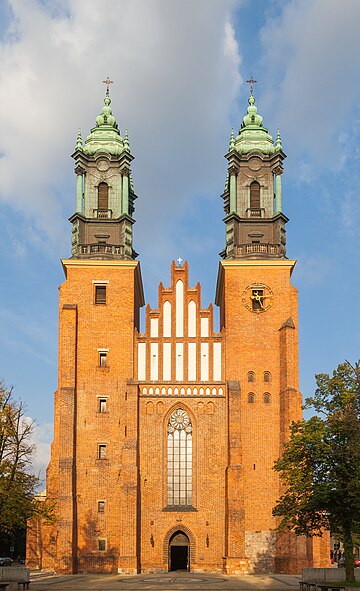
[179, 552]
[158, 428]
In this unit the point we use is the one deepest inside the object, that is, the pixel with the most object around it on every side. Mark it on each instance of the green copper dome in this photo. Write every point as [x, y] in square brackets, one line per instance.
[252, 135]
[105, 137]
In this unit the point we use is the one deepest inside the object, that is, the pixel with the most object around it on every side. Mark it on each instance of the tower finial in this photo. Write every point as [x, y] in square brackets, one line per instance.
[278, 145]
[79, 141]
[126, 141]
[232, 141]
[108, 82]
[251, 81]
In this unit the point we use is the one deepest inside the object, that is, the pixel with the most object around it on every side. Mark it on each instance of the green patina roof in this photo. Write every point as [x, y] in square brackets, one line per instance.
[106, 135]
[252, 135]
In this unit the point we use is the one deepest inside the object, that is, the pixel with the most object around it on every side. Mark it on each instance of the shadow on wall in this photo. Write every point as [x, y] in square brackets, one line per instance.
[41, 544]
[260, 550]
[94, 554]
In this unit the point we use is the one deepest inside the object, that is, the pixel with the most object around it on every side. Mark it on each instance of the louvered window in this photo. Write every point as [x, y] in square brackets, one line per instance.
[100, 294]
[254, 195]
[103, 196]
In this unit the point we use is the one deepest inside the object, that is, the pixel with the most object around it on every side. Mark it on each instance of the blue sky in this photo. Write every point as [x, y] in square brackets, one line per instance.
[179, 71]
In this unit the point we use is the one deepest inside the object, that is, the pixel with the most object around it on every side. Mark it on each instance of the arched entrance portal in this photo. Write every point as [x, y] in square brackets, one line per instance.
[179, 552]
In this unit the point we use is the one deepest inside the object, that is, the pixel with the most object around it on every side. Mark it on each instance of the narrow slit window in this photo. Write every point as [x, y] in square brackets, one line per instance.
[254, 195]
[102, 545]
[101, 506]
[102, 358]
[100, 294]
[102, 405]
[102, 451]
[103, 196]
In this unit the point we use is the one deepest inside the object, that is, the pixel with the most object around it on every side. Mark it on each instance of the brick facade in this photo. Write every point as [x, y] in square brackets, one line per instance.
[229, 524]
[165, 440]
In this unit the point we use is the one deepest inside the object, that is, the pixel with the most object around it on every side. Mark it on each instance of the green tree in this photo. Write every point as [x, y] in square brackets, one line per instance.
[320, 464]
[17, 482]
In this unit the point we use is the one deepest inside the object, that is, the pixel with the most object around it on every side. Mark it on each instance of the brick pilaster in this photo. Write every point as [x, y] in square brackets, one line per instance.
[66, 503]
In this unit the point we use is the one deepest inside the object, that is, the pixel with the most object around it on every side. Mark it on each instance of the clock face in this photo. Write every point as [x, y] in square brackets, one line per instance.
[257, 298]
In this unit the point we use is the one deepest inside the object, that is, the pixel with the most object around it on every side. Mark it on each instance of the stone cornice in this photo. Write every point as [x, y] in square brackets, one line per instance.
[130, 264]
[285, 263]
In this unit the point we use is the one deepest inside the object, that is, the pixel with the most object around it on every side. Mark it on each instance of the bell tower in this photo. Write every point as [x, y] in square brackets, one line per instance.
[93, 470]
[258, 321]
[102, 223]
[255, 224]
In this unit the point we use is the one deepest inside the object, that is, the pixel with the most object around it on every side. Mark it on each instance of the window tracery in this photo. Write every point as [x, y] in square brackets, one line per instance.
[179, 457]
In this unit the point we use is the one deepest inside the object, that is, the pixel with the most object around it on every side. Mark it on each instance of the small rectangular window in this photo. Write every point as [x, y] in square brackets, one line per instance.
[102, 358]
[102, 451]
[102, 405]
[100, 294]
[101, 506]
[102, 545]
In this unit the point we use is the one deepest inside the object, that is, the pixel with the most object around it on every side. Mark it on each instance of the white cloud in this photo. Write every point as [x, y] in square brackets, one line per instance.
[175, 67]
[42, 437]
[231, 48]
[312, 270]
[311, 63]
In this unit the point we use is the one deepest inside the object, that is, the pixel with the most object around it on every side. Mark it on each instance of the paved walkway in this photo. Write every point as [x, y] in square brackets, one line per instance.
[166, 582]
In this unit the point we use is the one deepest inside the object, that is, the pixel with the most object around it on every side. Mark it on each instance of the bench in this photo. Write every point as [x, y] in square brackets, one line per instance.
[305, 586]
[5, 584]
[332, 587]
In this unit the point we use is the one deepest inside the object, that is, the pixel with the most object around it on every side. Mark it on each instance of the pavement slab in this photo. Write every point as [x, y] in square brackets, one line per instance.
[166, 582]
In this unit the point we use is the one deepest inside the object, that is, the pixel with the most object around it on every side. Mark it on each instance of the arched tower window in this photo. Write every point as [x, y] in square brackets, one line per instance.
[267, 398]
[103, 196]
[251, 376]
[254, 195]
[251, 397]
[267, 376]
[179, 458]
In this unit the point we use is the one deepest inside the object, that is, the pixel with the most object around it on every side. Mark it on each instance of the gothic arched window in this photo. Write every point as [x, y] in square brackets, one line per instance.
[179, 458]
[103, 196]
[254, 195]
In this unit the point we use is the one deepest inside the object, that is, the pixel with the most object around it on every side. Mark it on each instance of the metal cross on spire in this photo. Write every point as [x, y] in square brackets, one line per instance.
[179, 261]
[108, 82]
[251, 82]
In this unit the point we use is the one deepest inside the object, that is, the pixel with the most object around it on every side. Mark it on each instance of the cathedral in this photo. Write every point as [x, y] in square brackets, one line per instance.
[165, 435]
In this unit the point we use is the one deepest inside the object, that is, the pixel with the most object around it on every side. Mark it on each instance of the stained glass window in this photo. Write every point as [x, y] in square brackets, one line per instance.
[179, 468]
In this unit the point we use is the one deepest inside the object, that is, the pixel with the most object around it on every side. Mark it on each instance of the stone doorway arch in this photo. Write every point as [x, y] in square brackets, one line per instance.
[179, 552]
